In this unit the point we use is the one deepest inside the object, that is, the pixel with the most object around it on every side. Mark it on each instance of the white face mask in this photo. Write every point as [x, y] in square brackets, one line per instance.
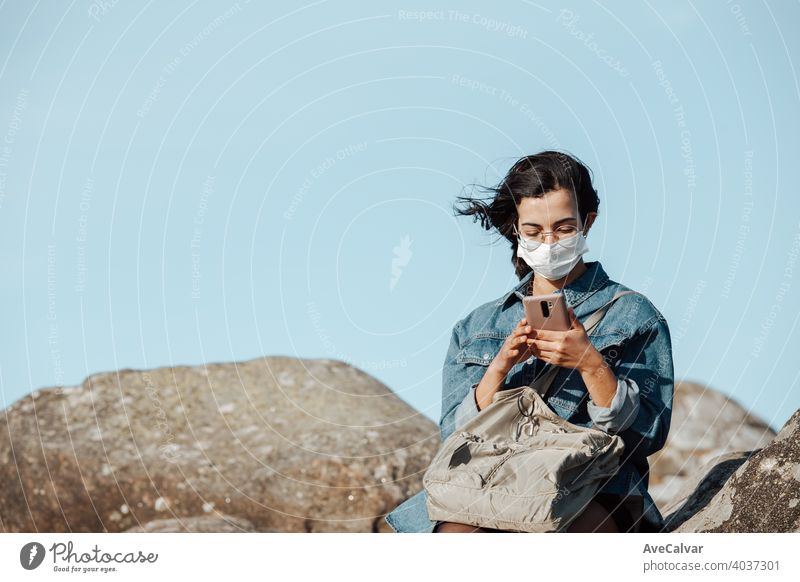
[554, 261]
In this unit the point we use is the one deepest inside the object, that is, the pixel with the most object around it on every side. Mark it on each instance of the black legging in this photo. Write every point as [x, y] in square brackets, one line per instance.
[622, 510]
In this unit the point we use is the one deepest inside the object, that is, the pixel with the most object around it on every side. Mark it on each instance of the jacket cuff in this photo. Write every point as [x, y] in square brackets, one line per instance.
[467, 409]
[623, 410]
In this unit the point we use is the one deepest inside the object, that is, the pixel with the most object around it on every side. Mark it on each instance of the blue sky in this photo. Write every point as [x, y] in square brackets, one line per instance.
[203, 182]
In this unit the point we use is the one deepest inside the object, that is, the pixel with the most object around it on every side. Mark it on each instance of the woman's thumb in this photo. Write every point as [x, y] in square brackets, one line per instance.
[574, 319]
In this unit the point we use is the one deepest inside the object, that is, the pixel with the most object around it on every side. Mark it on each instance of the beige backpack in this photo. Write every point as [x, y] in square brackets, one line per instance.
[519, 466]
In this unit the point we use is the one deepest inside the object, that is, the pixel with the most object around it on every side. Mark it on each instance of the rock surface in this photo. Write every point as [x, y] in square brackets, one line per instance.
[705, 424]
[286, 444]
[202, 524]
[697, 492]
[762, 495]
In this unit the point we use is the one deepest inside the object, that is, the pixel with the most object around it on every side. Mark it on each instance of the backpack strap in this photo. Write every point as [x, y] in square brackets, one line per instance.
[542, 383]
[594, 319]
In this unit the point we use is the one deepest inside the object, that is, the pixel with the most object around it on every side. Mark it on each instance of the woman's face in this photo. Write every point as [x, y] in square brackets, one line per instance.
[546, 213]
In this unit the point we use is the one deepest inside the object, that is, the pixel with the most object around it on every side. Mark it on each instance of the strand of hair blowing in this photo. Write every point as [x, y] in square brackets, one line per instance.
[530, 176]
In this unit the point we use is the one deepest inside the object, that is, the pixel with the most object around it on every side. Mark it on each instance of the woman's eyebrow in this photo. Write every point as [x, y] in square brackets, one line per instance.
[559, 221]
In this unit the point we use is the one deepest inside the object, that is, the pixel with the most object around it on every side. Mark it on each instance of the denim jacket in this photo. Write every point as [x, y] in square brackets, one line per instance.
[633, 338]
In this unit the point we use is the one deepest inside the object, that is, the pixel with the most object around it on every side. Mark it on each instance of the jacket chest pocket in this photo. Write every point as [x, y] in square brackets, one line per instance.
[477, 353]
[481, 348]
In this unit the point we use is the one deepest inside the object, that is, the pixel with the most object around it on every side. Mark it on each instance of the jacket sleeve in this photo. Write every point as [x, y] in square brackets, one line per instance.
[622, 411]
[468, 408]
[456, 384]
[646, 359]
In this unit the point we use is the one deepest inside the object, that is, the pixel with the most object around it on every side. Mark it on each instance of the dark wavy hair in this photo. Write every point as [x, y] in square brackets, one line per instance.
[530, 176]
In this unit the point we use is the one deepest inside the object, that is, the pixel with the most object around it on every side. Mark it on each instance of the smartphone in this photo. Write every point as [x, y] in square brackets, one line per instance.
[547, 311]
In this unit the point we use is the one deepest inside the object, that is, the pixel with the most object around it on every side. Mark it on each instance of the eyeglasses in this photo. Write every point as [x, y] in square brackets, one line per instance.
[536, 237]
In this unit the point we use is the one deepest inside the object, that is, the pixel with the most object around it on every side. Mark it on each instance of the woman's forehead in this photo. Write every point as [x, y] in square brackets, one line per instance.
[548, 209]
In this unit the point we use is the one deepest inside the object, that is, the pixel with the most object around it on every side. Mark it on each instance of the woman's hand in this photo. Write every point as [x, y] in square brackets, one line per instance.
[569, 349]
[516, 348]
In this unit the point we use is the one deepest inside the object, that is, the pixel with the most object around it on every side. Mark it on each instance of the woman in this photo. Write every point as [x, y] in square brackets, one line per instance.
[619, 380]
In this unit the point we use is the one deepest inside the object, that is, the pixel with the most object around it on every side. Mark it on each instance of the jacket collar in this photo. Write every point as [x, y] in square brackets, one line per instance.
[593, 279]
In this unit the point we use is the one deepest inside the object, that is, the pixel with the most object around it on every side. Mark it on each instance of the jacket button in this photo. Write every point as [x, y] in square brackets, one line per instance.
[529, 360]
[486, 356]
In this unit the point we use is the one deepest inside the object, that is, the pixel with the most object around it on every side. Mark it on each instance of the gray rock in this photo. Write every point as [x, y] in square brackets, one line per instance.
[705, 424]
[762, 495]
[696, 493]
[200, 524]
[286, 444]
